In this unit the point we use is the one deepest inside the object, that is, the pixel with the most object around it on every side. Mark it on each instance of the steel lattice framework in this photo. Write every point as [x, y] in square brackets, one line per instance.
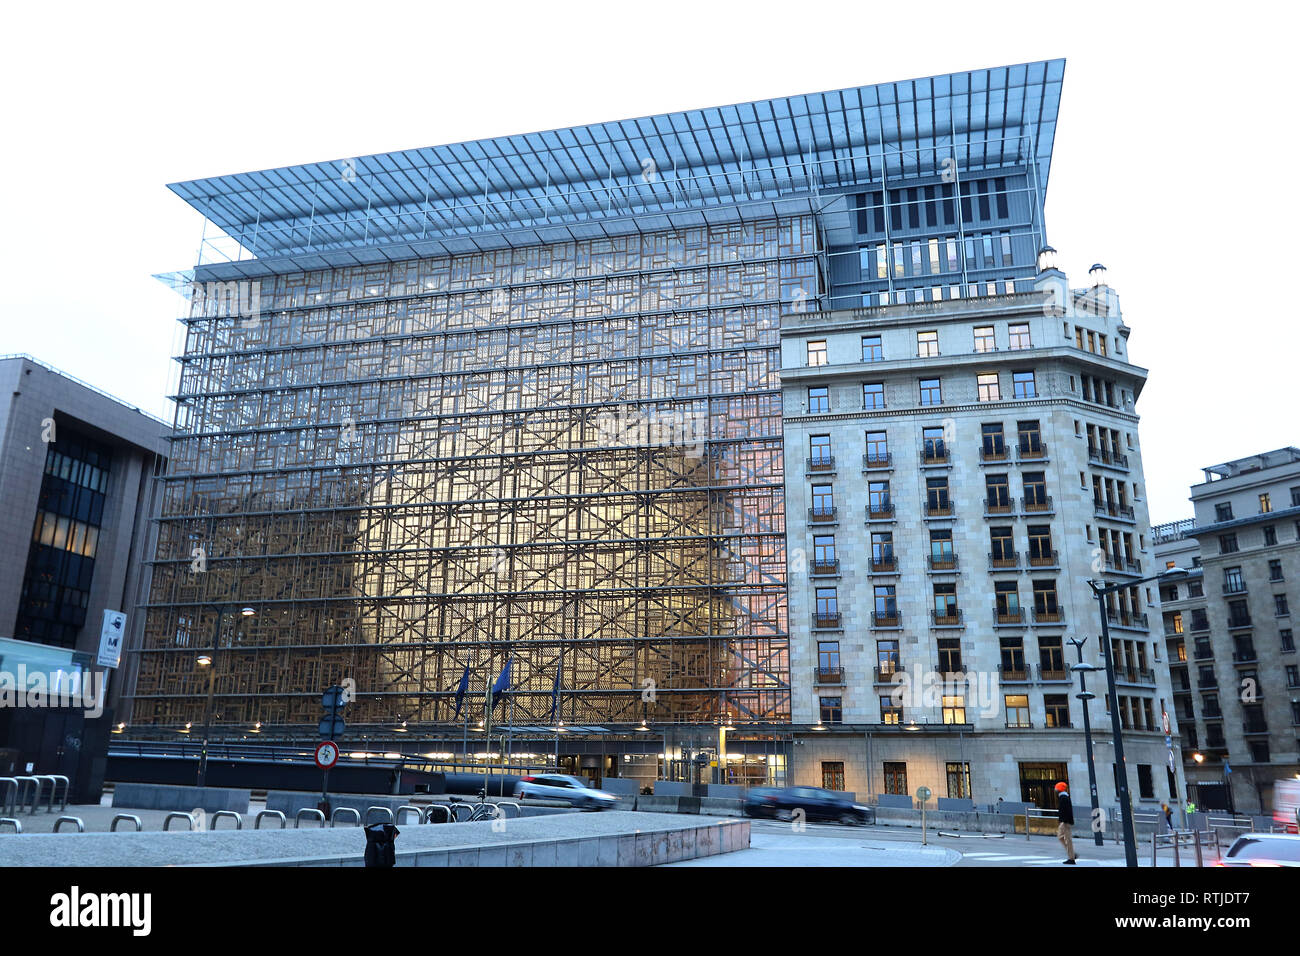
[564, 455]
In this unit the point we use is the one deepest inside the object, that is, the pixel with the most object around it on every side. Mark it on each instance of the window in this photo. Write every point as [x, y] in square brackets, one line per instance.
[1265, 503]
[1029, 437]
[896, 777]
[1270, 534]
[927, 344]
[1146, 788]
[1040, 545]
[1295, 497]
[871, 348]
[878, 498]
[1195, 589]
[1292, 675]
[1280, 607]
[1017, 706]
[1045, 599]
[886, 657]
[824, 552]
[828, 655]
[882, 550]
[992, 443]
[949, 656]
[930, 392]
[1013, 658]
[1259, 751]
[1232, 581]
[937, 501]
[832, 774]
[1227, 543]
[932, 446]
[1275, 570]
[998, 491]
[984, 341]
[1036, 491]
[823, 501]
[817, 352]
[832, 710]
[1022, 385]
[1056, 710]
[1018, 336]
[945, 595]
[1238, 614]
[987, 383]
[873, 395]
[890, 711]
[819, 399]
[941, 552]
[1223, 512]
[958, 780]
[1007, 602]
[819, 451]
[954, 709]
[828, 607]
[877, 448]
[1001, 546]
[886, 602]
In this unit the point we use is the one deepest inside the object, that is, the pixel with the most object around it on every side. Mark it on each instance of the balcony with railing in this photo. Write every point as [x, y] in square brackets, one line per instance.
[1014, 675]
[942, 562]
[878, 462]
[949, 618]
[1206, 681]
[1121, 564]
[884, 564]
[885, 674]
[822, 515]
[935, 456]
[1007, 561]
[828, 675]
[1127, 619]
[825, 567]
[1253, 727]
[885, 619]
[826, 620]
[1008, 617]
[880, 510]
[1135, 675]
[1239, 621]
[1235, 587]
[994, 506]
[1202, 651]
[1245, 656]
[1031, 451]
[1103, 456]
[1053, 675]
[1111, 509]
[1041, 504]
[939, 509]
[1043, 559]
[821, 463]
[988, 454]
[1049, 616]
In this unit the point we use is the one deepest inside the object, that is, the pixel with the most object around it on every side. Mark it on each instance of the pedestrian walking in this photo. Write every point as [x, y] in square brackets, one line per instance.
[1065, 814]
[1169, 816]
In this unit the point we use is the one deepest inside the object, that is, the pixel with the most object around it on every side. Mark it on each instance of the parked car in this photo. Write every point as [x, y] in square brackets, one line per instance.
[816, 803]
[1263, 849]
[558, 786]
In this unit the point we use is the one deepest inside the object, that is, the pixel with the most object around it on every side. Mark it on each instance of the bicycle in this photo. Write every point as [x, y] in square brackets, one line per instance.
[482, 810]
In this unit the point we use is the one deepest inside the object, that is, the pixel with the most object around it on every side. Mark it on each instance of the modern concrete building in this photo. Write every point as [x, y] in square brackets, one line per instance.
[968, 464]
[76, 478]
[1232, 652]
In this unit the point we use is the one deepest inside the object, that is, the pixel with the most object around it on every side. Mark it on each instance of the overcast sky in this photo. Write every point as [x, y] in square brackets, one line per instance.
[1173, 164]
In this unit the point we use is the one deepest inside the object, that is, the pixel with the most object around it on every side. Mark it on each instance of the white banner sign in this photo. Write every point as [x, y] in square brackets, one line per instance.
[111, 635]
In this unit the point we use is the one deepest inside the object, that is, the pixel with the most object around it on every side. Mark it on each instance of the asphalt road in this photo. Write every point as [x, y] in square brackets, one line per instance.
[774, 843]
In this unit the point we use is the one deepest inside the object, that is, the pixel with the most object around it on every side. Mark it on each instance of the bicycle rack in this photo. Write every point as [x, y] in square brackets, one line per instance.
[112, 827]
[22, 785]
[81, 827]
[310, 812]
[440, 808]
[274, 814]
[8, 795]
[519, 812]
[41, 779]
[356, 816]
[178, 815]
[370, 810]
[67, 785]
[17, 825]
[455, 809]
[407, 808]
[230, 814]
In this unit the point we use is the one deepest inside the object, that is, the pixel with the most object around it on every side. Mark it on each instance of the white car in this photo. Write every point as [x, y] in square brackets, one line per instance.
[558, 786]
[1263, 849]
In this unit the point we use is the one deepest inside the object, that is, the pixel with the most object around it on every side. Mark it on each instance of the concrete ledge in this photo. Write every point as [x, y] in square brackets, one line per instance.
[153, 796]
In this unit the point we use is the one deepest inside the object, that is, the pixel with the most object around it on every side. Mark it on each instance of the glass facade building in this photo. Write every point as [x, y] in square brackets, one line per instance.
[517, 402]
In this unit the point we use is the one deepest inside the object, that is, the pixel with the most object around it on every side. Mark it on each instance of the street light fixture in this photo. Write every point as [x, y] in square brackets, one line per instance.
[1085, 695]
[1100, 590]
[209, 661]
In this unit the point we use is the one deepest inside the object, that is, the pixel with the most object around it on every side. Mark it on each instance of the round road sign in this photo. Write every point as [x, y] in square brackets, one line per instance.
[923, 793]
[327, 754]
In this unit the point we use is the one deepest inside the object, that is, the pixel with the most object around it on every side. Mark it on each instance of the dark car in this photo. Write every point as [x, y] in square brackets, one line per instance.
[817, 804]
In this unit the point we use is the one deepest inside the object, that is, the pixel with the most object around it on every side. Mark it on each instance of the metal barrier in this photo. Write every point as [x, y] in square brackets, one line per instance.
[8, 795]
[67, 786]
[18, 827]
[309, 812]
[456, 809]
[438, 808]
[178, 815]
[1174, 838]
[370, 810]
[112, 827]
[334, 817]
[407, 808]
[229, 814]
[22, 785]
[275, 814]
[81, 827]
[1035, 813]
[504, 804]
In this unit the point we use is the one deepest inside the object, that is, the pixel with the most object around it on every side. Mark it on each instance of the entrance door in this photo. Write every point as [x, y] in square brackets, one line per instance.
[1038, 783]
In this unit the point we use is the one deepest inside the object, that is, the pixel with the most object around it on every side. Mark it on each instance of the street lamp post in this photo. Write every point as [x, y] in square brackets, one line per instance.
[1100, 590]
[1085, 696]
[210, 662]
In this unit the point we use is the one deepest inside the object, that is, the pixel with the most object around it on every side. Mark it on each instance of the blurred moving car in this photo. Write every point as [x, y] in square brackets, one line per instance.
[558, 786]
[1263, 849]
[816, 803]
[1286, 805]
